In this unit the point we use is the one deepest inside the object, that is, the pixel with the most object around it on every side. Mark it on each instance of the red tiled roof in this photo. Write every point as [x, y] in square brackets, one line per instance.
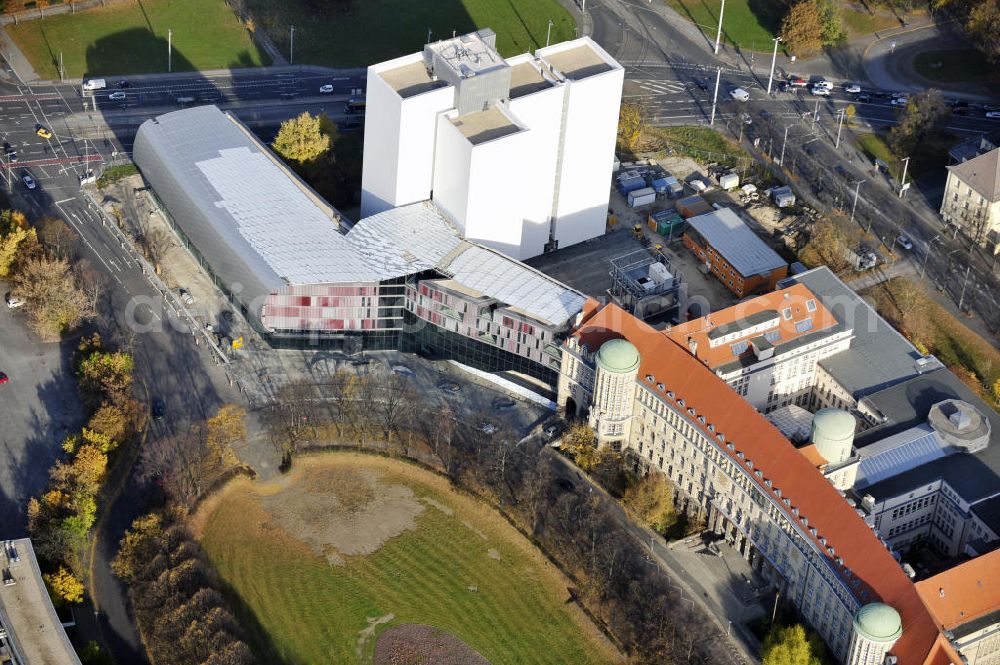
[786, 468]
[794, 297]
[811, 453]
[964, 593]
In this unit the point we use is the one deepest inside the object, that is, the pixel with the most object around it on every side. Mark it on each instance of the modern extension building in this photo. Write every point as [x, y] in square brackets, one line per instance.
[516, 152]
[403, 278]
[650, 397]
[734, 253]
[30, 630]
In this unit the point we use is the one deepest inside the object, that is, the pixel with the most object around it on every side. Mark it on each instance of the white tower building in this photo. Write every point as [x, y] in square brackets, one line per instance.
[877, 626]
[517, 152]
[614, 391]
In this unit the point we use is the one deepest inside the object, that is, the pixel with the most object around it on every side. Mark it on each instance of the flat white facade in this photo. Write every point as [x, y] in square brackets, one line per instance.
[404, 141]
[541, 182]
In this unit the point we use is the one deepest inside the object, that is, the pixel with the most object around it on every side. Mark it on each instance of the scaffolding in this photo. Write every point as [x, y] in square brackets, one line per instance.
[645, 283]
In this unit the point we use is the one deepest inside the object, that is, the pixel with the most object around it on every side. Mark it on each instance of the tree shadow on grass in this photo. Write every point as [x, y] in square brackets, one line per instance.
[134, 50]
[256, 635]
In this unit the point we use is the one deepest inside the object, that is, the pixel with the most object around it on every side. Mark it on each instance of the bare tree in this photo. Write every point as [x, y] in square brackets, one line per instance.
[56, 236]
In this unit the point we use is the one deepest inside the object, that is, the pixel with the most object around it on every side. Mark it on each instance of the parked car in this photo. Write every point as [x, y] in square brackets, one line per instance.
[185, 296]
[550, 431]
[326, 89]
[905, 242]
[3, 378]
[702, 84]
[739, 94]
[822, 83]
[993, 114]
[991, 107]
[44, 133]
[159, 408]
[797, 82]
[863, 97]
[28, 181]
[900, 101]
[124, 84]
[852, 88]
[117, 96]
[12, 157]
[819, 91]
[13, 302]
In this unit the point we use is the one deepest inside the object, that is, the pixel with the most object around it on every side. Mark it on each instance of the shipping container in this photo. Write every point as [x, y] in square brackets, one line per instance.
[693, 205]
[629, 181]
[641, 197]
[729, 181]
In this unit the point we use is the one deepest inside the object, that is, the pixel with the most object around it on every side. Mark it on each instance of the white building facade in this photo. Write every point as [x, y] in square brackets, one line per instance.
[518, 152]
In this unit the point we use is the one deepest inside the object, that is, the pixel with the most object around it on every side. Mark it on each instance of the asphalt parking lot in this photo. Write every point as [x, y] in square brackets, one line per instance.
[39, 406]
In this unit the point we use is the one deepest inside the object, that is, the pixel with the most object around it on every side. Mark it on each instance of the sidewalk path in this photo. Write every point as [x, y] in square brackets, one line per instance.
[19, 65]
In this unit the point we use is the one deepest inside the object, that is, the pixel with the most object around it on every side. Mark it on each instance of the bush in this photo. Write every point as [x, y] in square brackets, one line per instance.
[116, 173]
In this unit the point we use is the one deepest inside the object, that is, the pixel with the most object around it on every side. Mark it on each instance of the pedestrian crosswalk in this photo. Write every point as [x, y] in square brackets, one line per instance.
[660, 87]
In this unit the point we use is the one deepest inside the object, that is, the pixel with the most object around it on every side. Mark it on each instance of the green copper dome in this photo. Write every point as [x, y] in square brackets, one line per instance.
[878, 622]
[619, 356]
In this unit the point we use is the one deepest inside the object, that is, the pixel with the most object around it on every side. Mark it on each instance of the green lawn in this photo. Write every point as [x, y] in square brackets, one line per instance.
[376, 30]
[953, 65]
[929, 159]
[750, 24]
[132, 39]
[875, 147]
[299, 609]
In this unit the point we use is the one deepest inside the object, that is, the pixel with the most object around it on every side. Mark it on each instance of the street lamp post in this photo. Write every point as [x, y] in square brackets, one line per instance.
[961, 298]
[291, 47]
[902, 181]
[840, 126]
[774, 57]
[927, 253]
[781, 160]
[718, 34]
[715, 97]
[857, 190]
[170, 41]
[548, 33]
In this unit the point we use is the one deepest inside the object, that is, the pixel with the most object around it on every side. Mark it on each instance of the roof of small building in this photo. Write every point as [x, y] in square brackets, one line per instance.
[736, 242]
[28, 614]
[965, 592]
[874, 573]
[879, 355]
[808, 318]
[981, 173]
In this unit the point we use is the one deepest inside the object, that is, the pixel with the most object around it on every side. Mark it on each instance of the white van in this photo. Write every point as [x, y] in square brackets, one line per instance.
[95, 84]
[739, 94]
